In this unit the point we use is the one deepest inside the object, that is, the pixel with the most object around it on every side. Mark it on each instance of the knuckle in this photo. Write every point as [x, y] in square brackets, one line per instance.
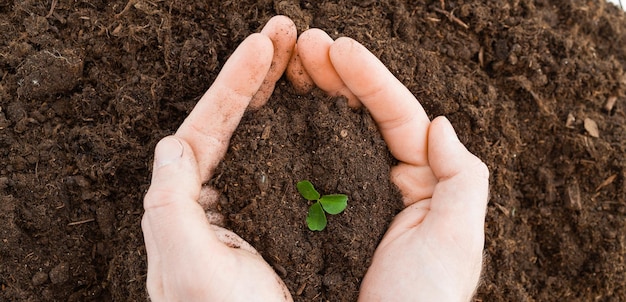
[158, 198]
[481, 169]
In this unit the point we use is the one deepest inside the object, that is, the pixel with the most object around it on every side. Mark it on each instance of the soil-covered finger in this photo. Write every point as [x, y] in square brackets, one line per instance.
[214, 118]
[282, 31]
[313, 48]
[297, 75]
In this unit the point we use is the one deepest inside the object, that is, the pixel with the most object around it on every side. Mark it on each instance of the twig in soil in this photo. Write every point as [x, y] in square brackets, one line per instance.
[126, 8]
[451, 17]
[610, 102]
[301, 289]
[606, 182]
[57, 56]
[52, 6]
[81, 222]
[481, 57]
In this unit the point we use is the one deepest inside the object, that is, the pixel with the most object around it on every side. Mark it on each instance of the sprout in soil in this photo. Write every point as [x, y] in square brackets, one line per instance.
[331, 204]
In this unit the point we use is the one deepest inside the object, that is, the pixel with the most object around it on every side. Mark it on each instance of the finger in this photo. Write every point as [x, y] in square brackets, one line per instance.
[409, 218]
[415, 182]
[400, 117]
[233, 240]
[313, 47]
[282, 31]
[297, 75]
[208, 200]
[179, 227]
[460, 198]
[210, 124]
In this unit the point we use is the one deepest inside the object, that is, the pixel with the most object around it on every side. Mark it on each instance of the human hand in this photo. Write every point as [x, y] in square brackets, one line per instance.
[432, 250]
[190, 258]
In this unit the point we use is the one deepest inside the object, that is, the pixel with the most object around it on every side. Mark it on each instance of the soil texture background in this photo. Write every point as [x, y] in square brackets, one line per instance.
[536, 89]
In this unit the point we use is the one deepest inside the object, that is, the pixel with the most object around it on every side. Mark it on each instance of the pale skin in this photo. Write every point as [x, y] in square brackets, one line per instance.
[432, 250]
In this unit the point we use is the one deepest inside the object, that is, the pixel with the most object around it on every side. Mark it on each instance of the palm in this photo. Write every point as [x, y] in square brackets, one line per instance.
[228, 270]
[440, 237]
[243, 276]
[189, 258]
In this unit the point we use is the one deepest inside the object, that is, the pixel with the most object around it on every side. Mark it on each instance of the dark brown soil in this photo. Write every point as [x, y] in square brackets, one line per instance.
[88, 88]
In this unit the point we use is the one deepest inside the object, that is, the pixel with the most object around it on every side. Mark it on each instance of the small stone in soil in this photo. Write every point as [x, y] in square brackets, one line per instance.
[40, 278]
[60, 273]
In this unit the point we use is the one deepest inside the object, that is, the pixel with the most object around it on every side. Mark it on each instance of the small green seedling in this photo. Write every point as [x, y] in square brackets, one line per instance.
[331, 204]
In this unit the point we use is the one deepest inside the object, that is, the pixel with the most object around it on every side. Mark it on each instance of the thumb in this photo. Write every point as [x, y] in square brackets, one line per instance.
[175, 221]
[175, 176]
[462, 191]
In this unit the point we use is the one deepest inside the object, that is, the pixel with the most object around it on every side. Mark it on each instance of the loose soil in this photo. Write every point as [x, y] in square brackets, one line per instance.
[536, 89]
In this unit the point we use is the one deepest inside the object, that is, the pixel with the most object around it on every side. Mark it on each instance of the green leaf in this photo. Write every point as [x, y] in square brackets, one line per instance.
[334, 203]
[307, 190]
[316, 219]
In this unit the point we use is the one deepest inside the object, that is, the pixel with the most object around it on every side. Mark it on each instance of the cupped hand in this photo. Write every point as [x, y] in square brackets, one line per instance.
[189, 258]
[432, 250]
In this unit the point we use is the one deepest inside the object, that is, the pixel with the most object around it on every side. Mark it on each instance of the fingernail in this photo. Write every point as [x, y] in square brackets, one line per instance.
[167, 151]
